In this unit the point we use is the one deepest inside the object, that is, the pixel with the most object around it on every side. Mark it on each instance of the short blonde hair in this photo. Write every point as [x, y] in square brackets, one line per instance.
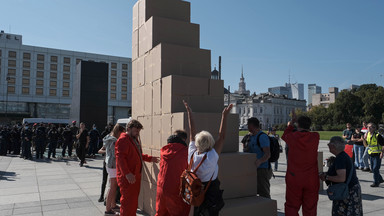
[204, 141]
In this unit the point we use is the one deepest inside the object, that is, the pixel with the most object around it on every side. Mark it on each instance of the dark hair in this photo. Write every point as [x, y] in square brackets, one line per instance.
[181, 133]
[135, 124]
[116, 130]
[254, 121]
[304, 122]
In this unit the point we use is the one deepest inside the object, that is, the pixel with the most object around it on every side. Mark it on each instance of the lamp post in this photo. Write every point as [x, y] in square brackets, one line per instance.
[6, 99]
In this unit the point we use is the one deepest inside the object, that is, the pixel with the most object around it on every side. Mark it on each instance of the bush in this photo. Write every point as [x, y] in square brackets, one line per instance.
[329, 127]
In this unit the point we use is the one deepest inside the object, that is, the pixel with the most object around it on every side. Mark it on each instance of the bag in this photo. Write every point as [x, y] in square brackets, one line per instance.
[246, 139]
[274, 147]
[191, 187]
[340, 191]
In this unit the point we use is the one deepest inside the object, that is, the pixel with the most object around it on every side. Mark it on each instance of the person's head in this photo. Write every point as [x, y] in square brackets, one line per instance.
[117, 130]
[371, 127]
[253, 124]
[336, 145]
[133, 128]
[73, 123]
[364, 124]
[82, 125]
[94, 126]
[204, 141]
[304, 122]
[273, 131]
[348, 125]
[182, 134]
[357, 129]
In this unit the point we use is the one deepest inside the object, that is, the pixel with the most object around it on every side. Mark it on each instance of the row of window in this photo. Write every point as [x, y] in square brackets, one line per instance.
[39, 91]
[39, 74]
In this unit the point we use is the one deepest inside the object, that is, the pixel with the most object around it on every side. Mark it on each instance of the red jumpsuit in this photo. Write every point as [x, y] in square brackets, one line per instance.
[129, 160]
[174, 160]
[302, 177]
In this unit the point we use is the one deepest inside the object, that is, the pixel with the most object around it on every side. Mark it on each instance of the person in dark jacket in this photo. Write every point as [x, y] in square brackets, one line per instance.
[40, 139]
[26, 138]
[67, 141]
[172, 164]
[83, 138]
[53, 137]
[94, 137]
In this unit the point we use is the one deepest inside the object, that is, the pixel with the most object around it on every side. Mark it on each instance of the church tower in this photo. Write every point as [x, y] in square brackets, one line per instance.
[242, 86]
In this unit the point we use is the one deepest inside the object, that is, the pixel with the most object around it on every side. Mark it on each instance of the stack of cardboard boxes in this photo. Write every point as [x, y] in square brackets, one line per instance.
[168, 67]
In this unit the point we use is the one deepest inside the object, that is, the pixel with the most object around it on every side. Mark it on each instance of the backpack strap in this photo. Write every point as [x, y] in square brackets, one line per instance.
[198, 166]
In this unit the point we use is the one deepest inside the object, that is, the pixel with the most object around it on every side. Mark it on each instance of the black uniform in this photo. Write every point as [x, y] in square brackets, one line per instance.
[53, 137]
[4, 141]
[68, 141]
[26, 138]
[16, 144]
[40, 139]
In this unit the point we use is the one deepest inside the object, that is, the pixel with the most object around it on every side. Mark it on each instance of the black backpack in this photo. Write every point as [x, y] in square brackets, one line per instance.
[274, 147]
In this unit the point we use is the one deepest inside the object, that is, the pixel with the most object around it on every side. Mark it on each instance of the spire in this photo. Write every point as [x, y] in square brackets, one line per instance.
[242, 72]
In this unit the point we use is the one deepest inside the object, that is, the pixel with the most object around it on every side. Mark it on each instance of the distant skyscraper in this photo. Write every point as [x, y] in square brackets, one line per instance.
[313, 89]
[292, 91]
[297, 90]
[242, 89]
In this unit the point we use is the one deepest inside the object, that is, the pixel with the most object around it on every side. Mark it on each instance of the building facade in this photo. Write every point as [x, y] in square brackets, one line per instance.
[291, 90]
[313, 89]
[37, 81]
[325, 99]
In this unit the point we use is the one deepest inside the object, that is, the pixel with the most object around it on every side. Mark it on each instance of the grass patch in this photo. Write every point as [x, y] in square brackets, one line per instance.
[324, 135]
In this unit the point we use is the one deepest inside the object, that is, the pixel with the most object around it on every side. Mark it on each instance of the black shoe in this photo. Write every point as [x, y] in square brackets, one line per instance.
[81, 164]
[375, 185]
[366, 170]
[101, 199]
[382, 181]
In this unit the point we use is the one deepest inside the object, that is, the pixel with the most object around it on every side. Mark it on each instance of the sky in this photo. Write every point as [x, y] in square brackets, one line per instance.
[327, 42]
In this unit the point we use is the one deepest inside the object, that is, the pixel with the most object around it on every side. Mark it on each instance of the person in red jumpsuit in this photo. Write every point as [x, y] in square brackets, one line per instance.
[174, 160]
[129, 161]
[302, 177]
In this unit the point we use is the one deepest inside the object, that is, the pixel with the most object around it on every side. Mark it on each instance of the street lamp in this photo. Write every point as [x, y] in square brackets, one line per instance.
[6, 99]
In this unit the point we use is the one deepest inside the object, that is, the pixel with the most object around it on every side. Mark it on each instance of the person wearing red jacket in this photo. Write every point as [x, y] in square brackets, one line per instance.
[174, 160]
[302, 177]
[129, 163]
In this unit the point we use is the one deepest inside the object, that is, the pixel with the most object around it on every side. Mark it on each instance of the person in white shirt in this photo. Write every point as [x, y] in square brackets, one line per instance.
[202, 144]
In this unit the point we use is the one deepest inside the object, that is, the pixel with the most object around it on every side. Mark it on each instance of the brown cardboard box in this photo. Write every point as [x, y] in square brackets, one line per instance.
[249, 206]
[146, 173]
[207, 104]
[157, 97]
[162, 30]
[148, 98]
[138, 102]
[135, 44]
[184, 86]
[138, 72]
[166, 128]
[170, 59]
[239, 168]
[148, 69]
[216, 87]
[146, 133]
[172, 9]
[135, 17]
[156, 132]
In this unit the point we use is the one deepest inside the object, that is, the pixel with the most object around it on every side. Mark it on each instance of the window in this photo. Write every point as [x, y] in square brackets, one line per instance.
[261, 109]
[53, 84]
[53, 75]
[11, 63]
[25, 81]
[12, 54]
[123, 96]
[25, 90]
[11, 89]
[65, 84]
[40, 74]
[40, 66]
[53, 67]
[113, 65]
[66, 68]
[53, 58]
[52, 92]
[67, 60]
[124, 74]
[65, 93]
[78, 61]
[26, 64]
[0, 52]
[40, 57]
[124, 88]
[26, 73]
[11, 72]
[113, 95]
[113, 80]
[11, 80]
[66, 76]
[27, 56]
[113, 88]
[39, 91]
[124, 81]
[113, 72]
[39, 82]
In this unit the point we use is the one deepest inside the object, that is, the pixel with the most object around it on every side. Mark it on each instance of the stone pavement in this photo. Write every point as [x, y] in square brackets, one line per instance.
[60, 187]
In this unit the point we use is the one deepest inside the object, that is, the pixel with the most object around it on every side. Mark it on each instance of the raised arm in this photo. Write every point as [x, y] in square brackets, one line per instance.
[192, 129]
[223, 126]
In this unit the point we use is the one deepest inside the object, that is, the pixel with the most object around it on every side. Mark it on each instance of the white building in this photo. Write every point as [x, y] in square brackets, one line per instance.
[313, 89]
[37, 81]
[291, 90]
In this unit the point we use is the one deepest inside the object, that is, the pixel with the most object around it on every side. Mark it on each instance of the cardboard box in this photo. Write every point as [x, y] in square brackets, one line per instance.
[157, 97]
[170, 59]
[239, 168]
[146, 133]
[148, 69]
[216, 87]
[249, 206]
[156, 133]
[138, 72]
[206, 104]
[135, 44]
[135, 17]
[162, 30]
[172, 9]
[148, 98]
[138, 102]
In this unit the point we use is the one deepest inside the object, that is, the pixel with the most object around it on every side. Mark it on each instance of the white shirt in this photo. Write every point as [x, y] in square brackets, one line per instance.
[208, 167]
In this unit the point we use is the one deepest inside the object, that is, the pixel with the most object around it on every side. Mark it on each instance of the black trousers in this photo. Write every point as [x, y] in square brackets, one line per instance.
[69, 145]
[80, 151]
[105, 179]
[213, 201]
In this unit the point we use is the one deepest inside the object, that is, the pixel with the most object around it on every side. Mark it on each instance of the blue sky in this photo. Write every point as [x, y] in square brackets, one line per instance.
[327, 42]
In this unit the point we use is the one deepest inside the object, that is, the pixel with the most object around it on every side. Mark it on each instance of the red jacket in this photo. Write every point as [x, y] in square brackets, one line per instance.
[302, 153]
[128, 159]
[174, 160]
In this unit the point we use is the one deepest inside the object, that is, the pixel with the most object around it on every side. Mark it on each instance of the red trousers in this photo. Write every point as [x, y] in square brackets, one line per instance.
[302, 190]
[129, 198]
[171, 205]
